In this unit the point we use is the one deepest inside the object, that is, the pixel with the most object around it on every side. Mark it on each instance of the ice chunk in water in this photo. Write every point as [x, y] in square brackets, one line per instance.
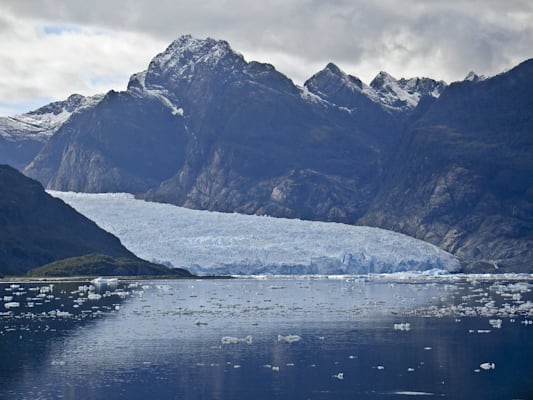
[404, 326]
[12, 304]
[289, 338]
[487, 366]
[495, 323]
[234, 340]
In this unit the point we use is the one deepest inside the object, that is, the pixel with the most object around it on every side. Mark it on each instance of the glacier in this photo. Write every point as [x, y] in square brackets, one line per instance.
[214, 243]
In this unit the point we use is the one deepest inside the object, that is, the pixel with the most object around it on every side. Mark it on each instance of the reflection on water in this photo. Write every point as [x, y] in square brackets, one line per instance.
[381, 338]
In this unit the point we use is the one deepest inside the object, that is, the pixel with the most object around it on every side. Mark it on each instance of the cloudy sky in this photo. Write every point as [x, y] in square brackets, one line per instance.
[53, 48]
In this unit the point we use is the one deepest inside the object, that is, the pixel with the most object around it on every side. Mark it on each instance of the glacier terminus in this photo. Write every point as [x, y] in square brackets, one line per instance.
[213, 243]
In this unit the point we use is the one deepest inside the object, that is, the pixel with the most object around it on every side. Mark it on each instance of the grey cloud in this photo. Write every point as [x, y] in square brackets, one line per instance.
[443, 40]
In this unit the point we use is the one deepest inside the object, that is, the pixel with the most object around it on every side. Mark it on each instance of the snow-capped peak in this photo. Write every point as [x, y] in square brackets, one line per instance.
[382, 79]
[404, 94]
[332, 81]
[385, 90]
[186, 57]
[43, 122]
[473, 77]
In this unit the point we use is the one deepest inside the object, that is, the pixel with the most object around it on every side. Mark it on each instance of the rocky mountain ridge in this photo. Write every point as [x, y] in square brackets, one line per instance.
[204, 128]
[23, 136]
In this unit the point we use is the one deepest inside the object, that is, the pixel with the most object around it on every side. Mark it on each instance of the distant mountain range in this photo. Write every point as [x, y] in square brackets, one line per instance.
[204, 128]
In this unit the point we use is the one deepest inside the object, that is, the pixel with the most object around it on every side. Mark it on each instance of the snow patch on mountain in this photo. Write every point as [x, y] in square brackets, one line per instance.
[216, 243]
[42, 123]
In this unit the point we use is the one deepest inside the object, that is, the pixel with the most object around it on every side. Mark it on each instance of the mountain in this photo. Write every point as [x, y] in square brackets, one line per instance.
[398, 98]
[404, 94]
[37, 229]
[462, 177]
[203, 128]
[23, 136]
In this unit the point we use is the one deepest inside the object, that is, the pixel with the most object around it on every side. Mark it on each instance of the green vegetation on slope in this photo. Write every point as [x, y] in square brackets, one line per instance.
[102, 265]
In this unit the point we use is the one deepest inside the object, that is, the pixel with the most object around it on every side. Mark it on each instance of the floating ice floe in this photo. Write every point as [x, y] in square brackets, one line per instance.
[495, 323]
[105, 283]
[413, 393]
[487, 366]
[12, 304]
[289, 338]
[235, 340]
[404, 326]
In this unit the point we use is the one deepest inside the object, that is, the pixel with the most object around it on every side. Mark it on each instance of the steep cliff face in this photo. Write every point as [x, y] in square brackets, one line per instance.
[462, 177]
[125, 143]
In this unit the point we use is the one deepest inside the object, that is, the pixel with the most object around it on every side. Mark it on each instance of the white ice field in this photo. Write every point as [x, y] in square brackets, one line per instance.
[206, 242]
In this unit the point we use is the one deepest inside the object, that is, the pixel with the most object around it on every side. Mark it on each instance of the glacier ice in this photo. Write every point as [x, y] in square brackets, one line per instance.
[208, 243]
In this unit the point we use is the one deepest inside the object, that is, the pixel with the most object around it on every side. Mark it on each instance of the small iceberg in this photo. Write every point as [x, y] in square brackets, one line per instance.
[104, 281]
[12, 304]
[487, 366]
[404, 326]
[235, 340]
[104, 284]
[289, 338]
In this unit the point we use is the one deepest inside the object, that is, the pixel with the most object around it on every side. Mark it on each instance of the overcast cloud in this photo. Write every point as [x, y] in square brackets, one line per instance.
[53, 48]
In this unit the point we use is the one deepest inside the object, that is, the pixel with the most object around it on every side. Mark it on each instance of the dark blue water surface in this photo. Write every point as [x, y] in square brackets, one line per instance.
[296, 338]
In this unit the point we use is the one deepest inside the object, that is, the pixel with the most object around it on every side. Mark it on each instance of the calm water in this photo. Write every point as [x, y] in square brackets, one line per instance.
[349, 338]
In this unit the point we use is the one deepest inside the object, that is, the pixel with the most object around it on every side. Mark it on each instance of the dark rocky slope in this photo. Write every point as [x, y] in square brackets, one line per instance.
[462, 177]
[36, 228]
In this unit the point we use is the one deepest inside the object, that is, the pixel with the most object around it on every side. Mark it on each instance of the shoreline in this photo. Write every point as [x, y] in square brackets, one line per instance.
[62, 279]
[394, 277]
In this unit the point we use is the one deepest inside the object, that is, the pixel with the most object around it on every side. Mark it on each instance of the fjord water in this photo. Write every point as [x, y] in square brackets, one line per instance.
[380, 337]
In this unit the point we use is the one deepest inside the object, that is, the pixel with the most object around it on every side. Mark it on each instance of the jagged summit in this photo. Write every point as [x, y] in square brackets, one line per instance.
[188, 51]
[396, 96]
[404, 94]
[188, 58]
[333, 76]
[473, 77]
[189, 69]
[382, 79]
